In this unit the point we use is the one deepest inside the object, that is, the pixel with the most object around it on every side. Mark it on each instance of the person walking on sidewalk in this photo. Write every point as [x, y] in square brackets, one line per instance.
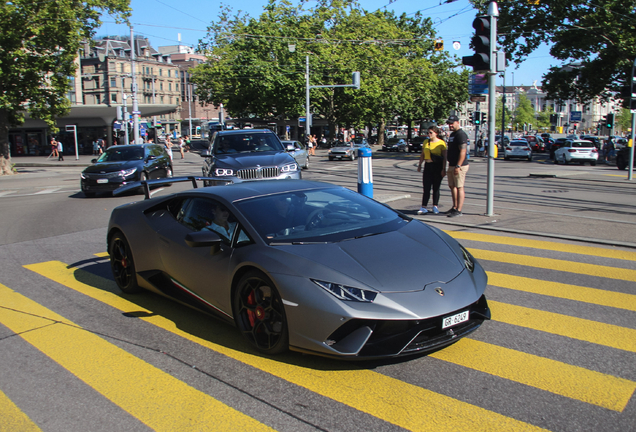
[53, 147]
[434, 158]
[60, 151]
[457, 164]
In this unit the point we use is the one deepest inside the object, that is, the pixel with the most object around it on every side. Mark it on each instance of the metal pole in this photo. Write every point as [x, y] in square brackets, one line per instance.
[631, 151]
[126, 141]
[135, 107]
[514, 102]
[503, 112]
[154, 117]
[307, 125]
[189, 109]
[477, 105]
[493, 12]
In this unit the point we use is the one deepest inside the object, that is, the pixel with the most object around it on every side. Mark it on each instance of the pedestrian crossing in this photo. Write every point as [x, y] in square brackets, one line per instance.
[527, 378]
[14, 193]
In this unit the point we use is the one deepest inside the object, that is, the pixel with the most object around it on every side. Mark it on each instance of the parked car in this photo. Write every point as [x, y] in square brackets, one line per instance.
[518, 149]
[594, 139]
[347, 151]
[545, 135]
[415, 144]
[559, 142]
[506, 140]
[395, 144]
[619, 143]
[580, 151]
[536, 143]
[248, 154]
[294, 265]
[299, 152]
[622, 158]
[124, 164]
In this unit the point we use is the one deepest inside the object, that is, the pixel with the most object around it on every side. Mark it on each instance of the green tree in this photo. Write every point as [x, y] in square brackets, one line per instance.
[624, 120]
[40, 42]
[524, 112]
[543, 118]
[599, 36]
[499, 106]
[253, 73]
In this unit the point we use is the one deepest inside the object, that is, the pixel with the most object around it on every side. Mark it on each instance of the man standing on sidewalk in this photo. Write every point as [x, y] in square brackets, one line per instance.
[457, 164]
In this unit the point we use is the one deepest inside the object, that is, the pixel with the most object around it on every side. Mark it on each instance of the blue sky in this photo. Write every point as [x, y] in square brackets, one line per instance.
[162, 21]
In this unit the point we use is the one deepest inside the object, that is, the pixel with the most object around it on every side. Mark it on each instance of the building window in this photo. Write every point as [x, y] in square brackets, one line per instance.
[169, 73]
[177, 87]
[113, 82]
[161, 86]
[113, 97]
[162, 100]
[160, 72]
[170, 86]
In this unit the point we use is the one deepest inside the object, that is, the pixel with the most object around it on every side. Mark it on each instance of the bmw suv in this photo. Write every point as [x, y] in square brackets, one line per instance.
[242, 155]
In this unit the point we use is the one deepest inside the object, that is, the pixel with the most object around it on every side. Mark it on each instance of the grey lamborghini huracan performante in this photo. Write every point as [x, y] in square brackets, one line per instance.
[301, 265]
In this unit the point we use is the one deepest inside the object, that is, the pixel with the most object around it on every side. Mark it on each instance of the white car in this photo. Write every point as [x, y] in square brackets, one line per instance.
[519, 149]
[580, 151]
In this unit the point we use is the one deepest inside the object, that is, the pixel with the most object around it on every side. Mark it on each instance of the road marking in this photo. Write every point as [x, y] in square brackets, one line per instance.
[403, 404]
[156, 398]
[545, 245]
[13, 419]
[564, 325]
[5, 193]
[555, 264]
[47, 191]
[565, 291]
[550, 375]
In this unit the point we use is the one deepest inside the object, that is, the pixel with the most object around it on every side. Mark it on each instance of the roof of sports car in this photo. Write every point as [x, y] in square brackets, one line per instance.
[238, 191]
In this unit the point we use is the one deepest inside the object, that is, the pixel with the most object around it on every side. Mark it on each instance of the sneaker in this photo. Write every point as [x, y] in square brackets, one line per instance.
[435, 210]
[422, 211]
[451, 211]
[455, 213]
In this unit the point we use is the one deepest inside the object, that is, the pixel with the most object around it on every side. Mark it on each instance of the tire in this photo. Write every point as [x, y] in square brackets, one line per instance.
[330, 158]
[565, 160]
[556, 161]
[593, 163]
[306, 163]
[506, 158]
[352, 157]
[122, 264]
[259, 313]
[529, 158]
[621, 163]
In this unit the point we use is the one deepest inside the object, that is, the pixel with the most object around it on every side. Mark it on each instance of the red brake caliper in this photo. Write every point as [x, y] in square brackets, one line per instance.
[250, 314]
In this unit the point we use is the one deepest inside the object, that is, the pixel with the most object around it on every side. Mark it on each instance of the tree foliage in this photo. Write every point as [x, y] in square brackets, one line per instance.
[524, 113]
[253, 73]
[499, 106]
[599, 37]
[40, 42]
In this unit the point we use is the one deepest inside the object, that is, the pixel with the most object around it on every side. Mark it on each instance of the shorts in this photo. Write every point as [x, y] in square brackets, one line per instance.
[457, 180]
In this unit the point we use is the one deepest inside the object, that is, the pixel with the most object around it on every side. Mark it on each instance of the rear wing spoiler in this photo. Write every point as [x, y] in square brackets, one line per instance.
[146, 184]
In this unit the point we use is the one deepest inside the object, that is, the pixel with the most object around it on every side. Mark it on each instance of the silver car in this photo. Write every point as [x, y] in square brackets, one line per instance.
[299, 265]
[518, 149]
[347, 151]
[298, 151]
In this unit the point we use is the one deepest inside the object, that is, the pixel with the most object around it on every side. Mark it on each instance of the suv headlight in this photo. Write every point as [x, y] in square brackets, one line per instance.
[223, 172]
[289, 168]
[344, 292]
[127, 172]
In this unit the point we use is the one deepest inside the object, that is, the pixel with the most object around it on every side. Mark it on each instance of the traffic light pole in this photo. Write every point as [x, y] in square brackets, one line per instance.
[493, 13]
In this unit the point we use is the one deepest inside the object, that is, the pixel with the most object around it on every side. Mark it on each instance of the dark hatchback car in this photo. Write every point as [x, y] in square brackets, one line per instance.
[123, 164]
[415, 144]
[622, 158]
[242, 155]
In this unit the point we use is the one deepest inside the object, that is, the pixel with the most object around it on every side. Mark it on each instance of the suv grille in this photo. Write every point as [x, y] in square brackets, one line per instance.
[258, 173]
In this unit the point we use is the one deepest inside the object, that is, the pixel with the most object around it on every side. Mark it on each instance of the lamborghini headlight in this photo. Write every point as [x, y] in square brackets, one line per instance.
[344, 292]
[469, 261]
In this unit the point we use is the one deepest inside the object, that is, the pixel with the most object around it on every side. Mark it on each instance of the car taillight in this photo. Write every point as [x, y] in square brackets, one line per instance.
[594, 150]
[572, 150]
[508, 148]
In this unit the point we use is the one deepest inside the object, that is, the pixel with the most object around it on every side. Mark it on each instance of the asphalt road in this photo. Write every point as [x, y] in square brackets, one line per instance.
[558, 355]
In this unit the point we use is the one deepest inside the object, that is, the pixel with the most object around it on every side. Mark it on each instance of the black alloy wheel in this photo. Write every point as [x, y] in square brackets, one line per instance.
[122, 264]
[259, 313]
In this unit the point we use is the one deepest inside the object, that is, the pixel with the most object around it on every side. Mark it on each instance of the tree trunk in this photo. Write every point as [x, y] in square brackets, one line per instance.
[6, 167]
[381, 129]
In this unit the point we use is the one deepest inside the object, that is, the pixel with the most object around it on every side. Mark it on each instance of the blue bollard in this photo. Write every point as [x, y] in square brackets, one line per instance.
[365, 172]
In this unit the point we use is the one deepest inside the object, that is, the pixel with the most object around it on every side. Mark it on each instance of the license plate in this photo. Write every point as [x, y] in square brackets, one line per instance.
[102, 181]
[455, 319]
[338, 157]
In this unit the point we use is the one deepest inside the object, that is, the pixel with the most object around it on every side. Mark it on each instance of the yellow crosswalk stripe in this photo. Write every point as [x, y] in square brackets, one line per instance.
[157, 399]
[403, 404]
[556, 377]
[546, 245]
[12, 418]
[563, 325]
[555, 264]
[565, 291]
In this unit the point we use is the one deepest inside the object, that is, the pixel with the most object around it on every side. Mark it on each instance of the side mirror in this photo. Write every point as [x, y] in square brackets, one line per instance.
[93, 160]
[205, 153]
[205, 238]
[290, 147]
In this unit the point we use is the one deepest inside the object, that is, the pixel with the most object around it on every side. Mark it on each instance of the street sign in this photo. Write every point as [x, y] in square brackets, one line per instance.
[477, 98]
[575, 116]
[136, 112]
[477, 89]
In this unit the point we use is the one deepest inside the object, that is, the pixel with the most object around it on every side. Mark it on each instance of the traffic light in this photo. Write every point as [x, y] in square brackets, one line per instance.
[553, 118]
[481, 44]
[609, 121]
[477, 118]
[484, 117]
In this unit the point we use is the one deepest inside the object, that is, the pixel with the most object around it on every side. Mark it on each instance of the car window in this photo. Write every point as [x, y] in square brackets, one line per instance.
[518, 144]
[155, 150]
[118, 154]
[324, 215]
[246, 143]
[203, 213]
[582, 144]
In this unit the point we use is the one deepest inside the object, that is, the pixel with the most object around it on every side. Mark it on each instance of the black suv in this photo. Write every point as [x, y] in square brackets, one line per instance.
[242, 155]
[415, 144]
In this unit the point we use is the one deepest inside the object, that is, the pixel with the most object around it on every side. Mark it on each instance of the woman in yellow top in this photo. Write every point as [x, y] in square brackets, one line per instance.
[434, 157]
